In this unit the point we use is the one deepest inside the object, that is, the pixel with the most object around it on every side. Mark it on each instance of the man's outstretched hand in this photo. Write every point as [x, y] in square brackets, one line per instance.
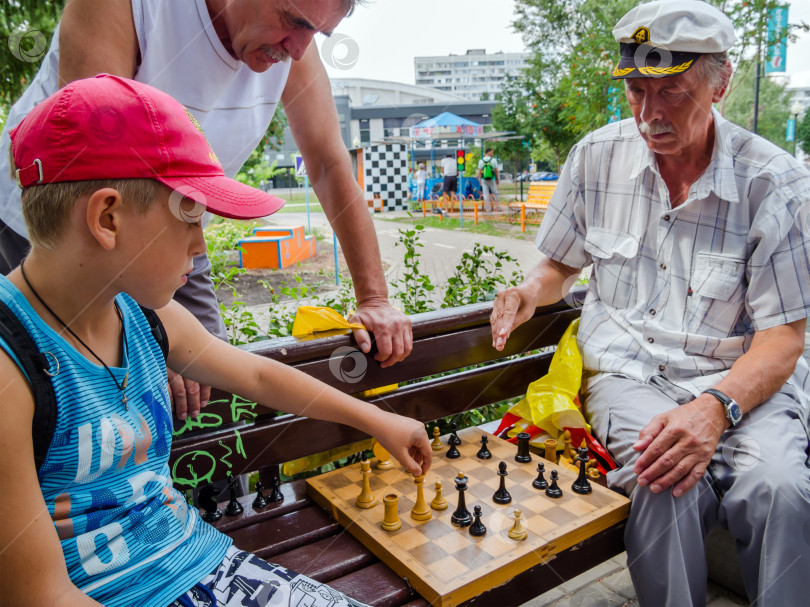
[391, 328]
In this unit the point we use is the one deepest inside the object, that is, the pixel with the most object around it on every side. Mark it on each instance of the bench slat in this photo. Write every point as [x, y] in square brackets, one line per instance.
[376, 585]
[285, 533]
[329, 558]
[425, 401]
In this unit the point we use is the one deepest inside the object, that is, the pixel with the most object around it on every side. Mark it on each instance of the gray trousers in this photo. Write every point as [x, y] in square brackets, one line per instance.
[757, 486]
[196, 296]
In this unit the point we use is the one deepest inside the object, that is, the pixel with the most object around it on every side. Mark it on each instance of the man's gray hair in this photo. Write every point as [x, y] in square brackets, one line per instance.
[714, 69]
[350, 5]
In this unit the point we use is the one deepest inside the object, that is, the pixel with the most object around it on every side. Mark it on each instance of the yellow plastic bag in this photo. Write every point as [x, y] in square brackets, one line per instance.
[310, 319]
[551, 402]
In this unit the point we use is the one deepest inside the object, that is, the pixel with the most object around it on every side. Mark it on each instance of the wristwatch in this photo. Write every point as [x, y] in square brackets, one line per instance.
[733, 412]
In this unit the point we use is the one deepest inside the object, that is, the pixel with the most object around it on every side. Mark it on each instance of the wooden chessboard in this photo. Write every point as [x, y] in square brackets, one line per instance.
[445, 564]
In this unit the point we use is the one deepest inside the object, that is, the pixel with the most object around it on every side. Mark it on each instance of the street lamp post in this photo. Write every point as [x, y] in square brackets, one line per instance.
[795, 110]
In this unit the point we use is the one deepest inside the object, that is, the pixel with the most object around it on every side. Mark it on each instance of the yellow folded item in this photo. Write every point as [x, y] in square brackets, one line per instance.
[310, 319]
[551, 402]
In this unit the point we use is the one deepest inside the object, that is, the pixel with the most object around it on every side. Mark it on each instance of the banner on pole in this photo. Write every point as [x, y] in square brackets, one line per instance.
[777, 40]
[790, 134]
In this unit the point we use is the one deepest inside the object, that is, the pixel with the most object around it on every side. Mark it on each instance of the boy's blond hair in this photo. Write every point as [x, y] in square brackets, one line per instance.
[46, 207]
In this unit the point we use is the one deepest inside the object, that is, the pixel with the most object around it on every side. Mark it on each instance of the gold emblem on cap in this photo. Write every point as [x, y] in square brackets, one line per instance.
[641, 35]
[661, 71]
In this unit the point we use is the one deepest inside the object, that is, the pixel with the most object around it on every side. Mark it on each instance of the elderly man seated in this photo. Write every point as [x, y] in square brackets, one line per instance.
[694, 322]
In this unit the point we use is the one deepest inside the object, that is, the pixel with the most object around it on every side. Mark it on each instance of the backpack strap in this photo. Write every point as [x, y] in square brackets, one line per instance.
[37, 366]
[158, 331]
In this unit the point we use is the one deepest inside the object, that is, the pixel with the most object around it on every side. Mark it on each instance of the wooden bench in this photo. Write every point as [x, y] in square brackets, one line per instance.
[298, 533]
[533, 209]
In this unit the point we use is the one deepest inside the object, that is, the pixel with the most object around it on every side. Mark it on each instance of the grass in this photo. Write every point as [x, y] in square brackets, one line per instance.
[452, 223]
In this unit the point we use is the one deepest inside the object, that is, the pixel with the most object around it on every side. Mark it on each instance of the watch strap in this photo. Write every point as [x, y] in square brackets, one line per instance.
[718, 395]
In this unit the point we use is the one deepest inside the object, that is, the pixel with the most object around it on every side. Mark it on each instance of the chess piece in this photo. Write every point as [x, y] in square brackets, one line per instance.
[568, 450]
[438, 503]
[383, 457]
[582, 485]
[391, 520]
[592, 470]
[523, 456]
[453, 438]
[477, 528]
[483, 452]
[259, 501]
[540, 482]
[436, 445]
[207, 500]
[553, 490]
[420, 511]
[452, 452]
[365, 499]
[502, 495]
[461, 517]
[234, 507]
[551, 450]
[518, 531]
[275, 492]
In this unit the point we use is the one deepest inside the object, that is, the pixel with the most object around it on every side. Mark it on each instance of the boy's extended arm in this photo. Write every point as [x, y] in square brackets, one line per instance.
[32, 565]
[194, 353]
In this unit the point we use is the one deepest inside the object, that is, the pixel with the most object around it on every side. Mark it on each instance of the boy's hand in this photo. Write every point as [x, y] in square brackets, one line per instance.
[406, 439]
[188, 397]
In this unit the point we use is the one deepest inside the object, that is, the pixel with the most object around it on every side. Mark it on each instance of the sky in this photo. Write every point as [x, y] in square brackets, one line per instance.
[380, 40]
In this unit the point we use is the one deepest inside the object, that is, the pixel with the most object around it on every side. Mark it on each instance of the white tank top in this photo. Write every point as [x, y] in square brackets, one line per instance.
[182, 56]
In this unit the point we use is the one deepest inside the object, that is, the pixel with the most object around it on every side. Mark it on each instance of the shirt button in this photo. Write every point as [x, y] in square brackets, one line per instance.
[661, 368]
[652, 312]
[663, 266]
[666, 217]
[651, 340]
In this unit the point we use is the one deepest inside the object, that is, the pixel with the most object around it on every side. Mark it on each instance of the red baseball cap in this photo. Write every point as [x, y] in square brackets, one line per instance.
[108, 127]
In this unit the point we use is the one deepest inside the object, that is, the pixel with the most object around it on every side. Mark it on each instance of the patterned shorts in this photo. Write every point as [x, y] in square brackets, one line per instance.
[245, 580]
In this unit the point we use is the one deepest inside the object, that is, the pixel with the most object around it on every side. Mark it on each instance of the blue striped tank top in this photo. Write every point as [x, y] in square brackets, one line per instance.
[129, 538]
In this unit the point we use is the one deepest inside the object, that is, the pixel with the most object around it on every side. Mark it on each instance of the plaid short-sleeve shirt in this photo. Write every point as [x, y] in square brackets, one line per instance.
[680, 292]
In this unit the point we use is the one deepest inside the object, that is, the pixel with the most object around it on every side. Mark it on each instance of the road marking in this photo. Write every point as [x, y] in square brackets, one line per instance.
[444, 246]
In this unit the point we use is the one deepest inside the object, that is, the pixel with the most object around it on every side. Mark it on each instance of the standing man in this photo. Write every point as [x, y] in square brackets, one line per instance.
[230, 62]
[694, 322]
[450, 174]
[489, 174]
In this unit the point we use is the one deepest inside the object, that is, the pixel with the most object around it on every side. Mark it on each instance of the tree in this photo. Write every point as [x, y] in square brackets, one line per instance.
[26, 29]
[803, 133]
[774, 101]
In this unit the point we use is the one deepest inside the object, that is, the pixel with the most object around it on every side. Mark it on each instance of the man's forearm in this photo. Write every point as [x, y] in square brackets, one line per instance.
[345, 207]
[764, 369]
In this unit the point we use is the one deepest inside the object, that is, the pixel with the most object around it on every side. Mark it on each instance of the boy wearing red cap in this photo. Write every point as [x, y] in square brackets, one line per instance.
[115, 176]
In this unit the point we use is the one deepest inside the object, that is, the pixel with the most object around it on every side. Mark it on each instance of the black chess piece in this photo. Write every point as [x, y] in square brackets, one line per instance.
[461, 517]
[260, 501]
[452, 452]
[275, 493]
[540, 482]
[207, 500]
[523, 456]
[582, 485]
[477, 528]
[234, 507]
[483, 452]
[502, 495]
[553, 490]
[453, 439]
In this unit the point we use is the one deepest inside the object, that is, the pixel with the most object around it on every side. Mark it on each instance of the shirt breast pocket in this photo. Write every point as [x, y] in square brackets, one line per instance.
[614, 265]
[718, 293]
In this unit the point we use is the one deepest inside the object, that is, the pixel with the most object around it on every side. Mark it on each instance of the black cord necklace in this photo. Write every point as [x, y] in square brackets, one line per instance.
[123, 385]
